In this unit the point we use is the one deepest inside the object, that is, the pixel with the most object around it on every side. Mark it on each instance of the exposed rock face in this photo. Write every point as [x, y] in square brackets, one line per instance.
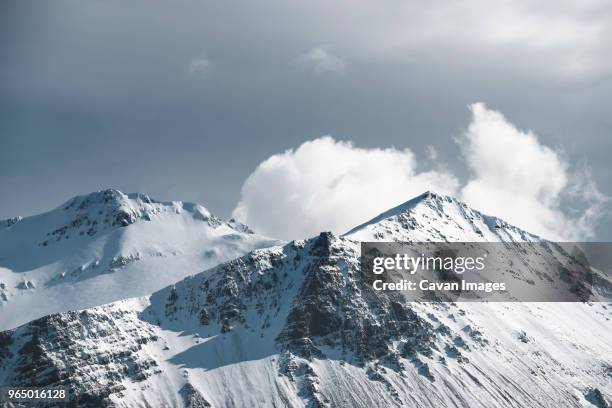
[192, 397]
[10, 222]
[596, 397]
[295, 326]
[85, 352]
[334, 309]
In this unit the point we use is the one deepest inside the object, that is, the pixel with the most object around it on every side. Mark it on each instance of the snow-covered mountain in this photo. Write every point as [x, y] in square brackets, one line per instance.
[437, 218]
[294, 326]
[108, 246]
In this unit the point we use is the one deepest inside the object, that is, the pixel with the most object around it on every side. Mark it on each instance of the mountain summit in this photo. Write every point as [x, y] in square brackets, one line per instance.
[106, 246]
[436, 217]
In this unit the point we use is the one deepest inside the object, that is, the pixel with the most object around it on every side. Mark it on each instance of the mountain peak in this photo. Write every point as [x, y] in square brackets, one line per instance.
[110, 198]
[102, 212]
[433, 216]
[71, 255]
[107, 209]
[427, 198]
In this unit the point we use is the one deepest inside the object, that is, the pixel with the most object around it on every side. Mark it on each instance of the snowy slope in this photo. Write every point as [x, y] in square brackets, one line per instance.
[293, 326]
[107, 246]
[437, 218]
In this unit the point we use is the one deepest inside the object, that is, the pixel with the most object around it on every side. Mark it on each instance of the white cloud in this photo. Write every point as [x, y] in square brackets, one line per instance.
[431, 152]
[326, 184]
[331, 185]
[200, 67]
[517, 178]
[321, 61]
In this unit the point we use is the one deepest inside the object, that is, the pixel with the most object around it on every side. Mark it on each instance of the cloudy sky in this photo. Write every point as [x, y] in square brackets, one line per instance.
[300, 116]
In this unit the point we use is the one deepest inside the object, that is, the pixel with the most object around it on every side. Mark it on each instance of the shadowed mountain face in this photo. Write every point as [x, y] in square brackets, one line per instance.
[295, 326]
[108, 246]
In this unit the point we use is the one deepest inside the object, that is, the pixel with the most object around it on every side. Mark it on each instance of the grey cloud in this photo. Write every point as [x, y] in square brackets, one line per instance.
[200, 67]
[322, 61]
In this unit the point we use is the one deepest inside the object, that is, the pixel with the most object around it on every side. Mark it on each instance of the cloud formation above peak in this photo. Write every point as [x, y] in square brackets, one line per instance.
[516, 177]
[326, 184]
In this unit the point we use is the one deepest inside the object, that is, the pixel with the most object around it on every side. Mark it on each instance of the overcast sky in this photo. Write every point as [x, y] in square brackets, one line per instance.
[185, 100]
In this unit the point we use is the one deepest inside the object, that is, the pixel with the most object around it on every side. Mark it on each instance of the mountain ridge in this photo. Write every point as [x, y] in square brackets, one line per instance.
[107, 245]
[403, 223]
[293, 325]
